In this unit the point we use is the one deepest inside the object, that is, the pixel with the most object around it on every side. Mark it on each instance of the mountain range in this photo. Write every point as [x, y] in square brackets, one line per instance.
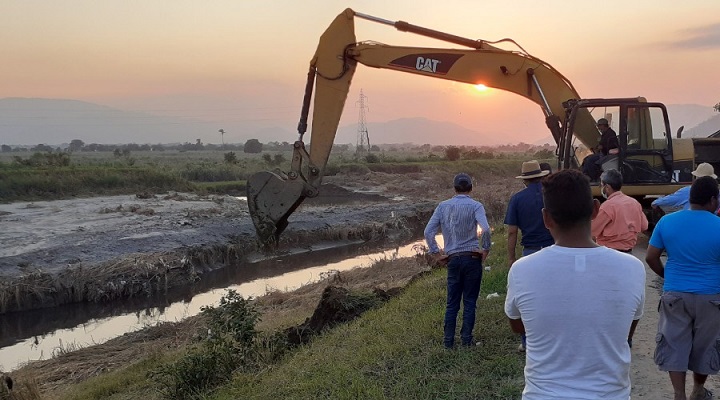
[32, 121]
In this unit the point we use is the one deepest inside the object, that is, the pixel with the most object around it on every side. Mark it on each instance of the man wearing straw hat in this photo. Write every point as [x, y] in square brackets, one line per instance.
[524, 213]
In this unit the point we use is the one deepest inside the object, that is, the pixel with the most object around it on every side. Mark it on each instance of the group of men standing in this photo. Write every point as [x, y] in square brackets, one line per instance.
[577, 292]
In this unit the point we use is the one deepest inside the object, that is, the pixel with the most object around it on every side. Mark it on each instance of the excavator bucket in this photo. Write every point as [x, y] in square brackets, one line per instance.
[271, 200]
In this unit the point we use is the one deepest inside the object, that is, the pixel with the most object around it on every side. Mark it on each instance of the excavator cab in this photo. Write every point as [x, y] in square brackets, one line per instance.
[645, 154]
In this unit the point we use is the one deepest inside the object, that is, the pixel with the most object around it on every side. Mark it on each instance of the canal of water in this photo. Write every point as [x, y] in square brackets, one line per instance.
[39, 334]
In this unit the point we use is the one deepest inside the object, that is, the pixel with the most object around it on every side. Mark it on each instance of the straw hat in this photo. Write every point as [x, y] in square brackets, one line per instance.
[704, 169]
[531, 169]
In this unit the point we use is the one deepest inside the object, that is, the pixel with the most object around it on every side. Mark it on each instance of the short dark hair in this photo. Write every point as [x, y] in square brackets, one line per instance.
[613, 178]
[545, 167]
[703, 190]
[568, 198]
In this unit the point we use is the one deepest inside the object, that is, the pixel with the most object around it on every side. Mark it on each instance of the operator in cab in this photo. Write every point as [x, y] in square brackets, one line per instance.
[608, 146]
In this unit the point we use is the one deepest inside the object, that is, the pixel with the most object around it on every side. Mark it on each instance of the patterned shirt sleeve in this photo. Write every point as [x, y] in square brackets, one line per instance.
[481, 219]
[431, 230]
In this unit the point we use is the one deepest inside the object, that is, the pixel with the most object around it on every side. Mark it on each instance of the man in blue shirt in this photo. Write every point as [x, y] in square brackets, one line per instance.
[524, 213]
[688, 330]
[680, 199]
[458, 219]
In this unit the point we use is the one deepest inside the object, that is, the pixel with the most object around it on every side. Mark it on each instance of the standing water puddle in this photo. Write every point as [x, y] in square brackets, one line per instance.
[38, 334]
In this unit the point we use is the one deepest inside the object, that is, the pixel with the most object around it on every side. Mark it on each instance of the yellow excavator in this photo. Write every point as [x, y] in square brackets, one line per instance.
[652, 162]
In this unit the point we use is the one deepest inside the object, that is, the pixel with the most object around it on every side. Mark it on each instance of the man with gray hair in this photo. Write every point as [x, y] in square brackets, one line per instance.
[620, 218]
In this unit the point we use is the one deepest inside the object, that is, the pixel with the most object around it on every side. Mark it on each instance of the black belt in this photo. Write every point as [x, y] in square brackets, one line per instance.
[465, 254]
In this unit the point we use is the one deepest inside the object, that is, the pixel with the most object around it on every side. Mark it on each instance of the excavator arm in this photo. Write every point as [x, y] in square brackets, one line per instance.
[272, 197]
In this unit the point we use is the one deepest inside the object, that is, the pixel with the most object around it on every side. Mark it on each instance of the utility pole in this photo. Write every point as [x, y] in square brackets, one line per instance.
[363, 139]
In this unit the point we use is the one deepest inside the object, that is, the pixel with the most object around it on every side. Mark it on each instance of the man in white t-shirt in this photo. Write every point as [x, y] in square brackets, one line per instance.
[577, 302]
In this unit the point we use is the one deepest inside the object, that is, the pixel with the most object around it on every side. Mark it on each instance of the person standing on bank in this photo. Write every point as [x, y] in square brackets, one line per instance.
[689, 324]
[578, 303]
[620, 218]
[524, 213]
[458, 219]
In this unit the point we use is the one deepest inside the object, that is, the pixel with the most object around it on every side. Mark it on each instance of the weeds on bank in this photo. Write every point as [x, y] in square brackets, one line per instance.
[231, 344]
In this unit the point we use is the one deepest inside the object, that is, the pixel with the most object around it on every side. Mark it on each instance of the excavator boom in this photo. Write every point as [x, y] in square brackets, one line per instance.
[273, 197]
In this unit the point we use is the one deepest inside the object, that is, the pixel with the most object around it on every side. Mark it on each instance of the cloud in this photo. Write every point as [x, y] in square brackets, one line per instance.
[701, 38]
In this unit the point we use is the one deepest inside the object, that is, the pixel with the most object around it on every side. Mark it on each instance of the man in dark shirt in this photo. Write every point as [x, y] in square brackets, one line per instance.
[608, 137]
[524, 213]
[608, 145]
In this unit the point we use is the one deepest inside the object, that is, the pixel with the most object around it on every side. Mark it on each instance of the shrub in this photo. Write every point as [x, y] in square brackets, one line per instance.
[372, 158]
[253, 146]
[452, 153]
[230, 157]
[544, 154]
[229, 346]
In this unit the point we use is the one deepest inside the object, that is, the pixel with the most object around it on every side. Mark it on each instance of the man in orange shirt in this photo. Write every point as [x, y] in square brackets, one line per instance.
[621, 217]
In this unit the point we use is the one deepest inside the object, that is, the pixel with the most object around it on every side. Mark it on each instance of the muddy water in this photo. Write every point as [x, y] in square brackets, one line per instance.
[38, 334]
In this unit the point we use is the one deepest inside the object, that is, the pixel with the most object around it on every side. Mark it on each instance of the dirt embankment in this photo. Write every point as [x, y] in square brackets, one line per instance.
[104, 248]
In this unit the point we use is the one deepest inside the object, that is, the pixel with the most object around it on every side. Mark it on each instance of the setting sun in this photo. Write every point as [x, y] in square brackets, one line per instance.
[480, 87]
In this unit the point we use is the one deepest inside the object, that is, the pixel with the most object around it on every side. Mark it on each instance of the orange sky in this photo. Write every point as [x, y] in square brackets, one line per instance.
[247, 60]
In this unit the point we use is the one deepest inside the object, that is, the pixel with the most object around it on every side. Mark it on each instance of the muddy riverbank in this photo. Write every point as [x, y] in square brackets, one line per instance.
[106, 248]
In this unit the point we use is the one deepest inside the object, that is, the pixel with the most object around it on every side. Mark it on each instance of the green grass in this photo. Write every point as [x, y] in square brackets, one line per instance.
[396, 352]
[101, 173]
[128, 383]
[45, 183]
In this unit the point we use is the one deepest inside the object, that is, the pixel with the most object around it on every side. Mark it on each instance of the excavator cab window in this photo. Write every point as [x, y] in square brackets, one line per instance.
[643, 135]
[644, 155]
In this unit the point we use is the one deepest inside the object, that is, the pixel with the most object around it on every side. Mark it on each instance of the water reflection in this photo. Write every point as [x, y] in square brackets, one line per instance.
[37, 334]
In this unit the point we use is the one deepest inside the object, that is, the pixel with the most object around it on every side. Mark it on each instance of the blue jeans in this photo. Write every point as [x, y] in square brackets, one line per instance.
[463, 282]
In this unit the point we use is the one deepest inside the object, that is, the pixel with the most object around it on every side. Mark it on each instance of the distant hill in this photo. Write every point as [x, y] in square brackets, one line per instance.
[32, 121]
[25, 121]
[688, 115]
[419, 131]
[705, 129]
